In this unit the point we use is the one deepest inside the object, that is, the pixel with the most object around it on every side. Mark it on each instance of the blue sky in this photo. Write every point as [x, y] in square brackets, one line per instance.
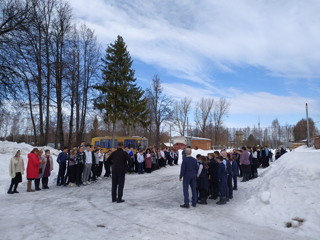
[263, 56]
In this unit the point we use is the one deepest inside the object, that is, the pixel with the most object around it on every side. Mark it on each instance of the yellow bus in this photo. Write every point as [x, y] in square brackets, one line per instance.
[130, 142]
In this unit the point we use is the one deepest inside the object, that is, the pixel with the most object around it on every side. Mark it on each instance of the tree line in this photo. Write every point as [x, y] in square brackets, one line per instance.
[48, 66]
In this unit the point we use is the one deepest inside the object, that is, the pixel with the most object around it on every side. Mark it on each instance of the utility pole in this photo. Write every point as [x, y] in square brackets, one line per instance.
[187, 127]
[259, 131]
[308, 137]
[170, 137]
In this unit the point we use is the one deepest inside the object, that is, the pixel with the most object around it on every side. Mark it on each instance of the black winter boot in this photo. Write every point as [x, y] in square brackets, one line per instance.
[222, 201]
[10, 189]
[244, 179]
[202, 201]
[45, 183]
[15, 188]
[37, 184]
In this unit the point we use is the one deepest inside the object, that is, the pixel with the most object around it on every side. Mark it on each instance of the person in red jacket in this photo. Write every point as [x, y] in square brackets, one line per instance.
[32, 167]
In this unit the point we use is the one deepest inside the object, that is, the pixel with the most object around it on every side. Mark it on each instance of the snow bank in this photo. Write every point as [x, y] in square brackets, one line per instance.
[12, 147]
[9, 149]
[289, 189]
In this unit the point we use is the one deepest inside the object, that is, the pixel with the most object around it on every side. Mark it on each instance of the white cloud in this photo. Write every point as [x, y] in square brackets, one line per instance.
[188, 38]
[258, 103]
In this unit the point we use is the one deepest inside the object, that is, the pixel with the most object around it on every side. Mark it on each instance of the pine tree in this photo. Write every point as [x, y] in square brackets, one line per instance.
[137, 112]
[120, 98]
[94, 128]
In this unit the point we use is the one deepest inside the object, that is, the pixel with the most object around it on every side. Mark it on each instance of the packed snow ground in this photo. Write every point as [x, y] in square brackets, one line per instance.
[260, 208]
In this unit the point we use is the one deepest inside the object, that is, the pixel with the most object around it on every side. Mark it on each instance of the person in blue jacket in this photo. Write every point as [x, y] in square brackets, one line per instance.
[188, 172]
[230, 177]
[183, 153]
[222, 178]
[227, 163]
[62, 161]
[235, 171]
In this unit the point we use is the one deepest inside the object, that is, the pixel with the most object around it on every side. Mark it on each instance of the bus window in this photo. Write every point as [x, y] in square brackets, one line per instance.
[130, 143]
[96, 143]
[144, 143]
[134, 144]
[105, 143]
[115, 143]
[127, 143]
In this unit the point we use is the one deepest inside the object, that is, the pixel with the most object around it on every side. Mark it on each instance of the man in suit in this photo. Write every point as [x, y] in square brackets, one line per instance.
[120, 160]
[188, 172]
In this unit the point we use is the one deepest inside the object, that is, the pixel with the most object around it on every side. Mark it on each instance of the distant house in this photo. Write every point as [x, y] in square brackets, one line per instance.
[299, 143]
[315, 141]
[194, 142]
[167, 144]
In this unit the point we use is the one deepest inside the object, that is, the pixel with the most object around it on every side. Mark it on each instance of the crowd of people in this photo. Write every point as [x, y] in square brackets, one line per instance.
[84, 164]
[216, 174]
[209, 176]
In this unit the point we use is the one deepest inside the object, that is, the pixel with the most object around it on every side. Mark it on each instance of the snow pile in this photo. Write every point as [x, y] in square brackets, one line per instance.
[287, 195]
[12, 147]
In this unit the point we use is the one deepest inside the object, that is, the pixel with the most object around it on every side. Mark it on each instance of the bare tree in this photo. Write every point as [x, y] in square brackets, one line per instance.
[181, 111]
[160, 105]
[14, 16]
[275, 132]
[61, 27]
[15, 125]
[221, 110]
[202, 114]
[90, 58]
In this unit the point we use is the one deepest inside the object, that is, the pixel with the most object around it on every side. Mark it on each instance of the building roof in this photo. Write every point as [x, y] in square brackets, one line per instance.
[194, 138]
[168, 144]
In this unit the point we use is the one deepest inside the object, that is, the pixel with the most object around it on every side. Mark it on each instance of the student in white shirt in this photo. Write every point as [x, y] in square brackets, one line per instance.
[87, 166]
[140, 159]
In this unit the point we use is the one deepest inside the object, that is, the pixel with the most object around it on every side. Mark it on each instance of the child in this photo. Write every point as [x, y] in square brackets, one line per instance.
[230, 176]
[222, 178]
[203, 182]
[176, 157]
[235, 171]
[213, 170]
[72, 168]
[140, 159]
[131, 167]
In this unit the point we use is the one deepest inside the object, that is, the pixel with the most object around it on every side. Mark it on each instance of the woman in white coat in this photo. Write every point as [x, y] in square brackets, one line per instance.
[16, 170]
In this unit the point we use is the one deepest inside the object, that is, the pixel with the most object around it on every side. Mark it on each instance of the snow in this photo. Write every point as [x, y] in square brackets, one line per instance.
[260, 209]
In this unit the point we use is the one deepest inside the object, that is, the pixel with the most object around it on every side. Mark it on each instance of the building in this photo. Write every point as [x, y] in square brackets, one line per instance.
[194, 142]
[315, 141]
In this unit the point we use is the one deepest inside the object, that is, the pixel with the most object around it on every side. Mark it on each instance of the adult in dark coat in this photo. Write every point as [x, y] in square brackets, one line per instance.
[203, 181]
[229, 179]
[265, 157]
[188, 172]
[213, 175]
[222, 178]
[120, 160]
[282, 151]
